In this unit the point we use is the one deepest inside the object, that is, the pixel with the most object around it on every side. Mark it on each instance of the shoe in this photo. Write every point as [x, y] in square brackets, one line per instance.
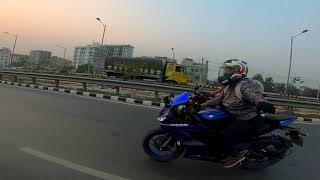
[232, 161]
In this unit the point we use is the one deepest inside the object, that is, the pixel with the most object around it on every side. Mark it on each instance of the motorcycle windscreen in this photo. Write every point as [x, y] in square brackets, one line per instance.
[180, 99]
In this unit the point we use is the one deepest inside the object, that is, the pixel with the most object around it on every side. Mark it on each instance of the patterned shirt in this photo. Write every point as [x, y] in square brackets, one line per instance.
[244, 107]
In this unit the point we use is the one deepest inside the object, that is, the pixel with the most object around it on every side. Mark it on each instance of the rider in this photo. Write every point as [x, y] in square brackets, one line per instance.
[243, 98]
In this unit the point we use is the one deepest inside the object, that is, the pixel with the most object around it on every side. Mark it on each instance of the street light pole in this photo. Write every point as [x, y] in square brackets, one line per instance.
[172, 53]
[64, 51]
[318, 92]
[14, 46]
[290, 65]
[104, 30]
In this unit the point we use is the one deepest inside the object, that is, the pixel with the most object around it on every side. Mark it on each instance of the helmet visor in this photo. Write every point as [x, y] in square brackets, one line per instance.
[226, 71]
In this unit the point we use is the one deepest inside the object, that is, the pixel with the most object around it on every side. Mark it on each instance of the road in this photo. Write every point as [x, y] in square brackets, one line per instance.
[46, 135]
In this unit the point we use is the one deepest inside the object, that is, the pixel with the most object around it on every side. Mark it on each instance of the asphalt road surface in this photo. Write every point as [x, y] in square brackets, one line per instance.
[45, 135]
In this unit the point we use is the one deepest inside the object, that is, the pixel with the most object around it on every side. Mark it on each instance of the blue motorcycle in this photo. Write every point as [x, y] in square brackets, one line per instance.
[188, 130]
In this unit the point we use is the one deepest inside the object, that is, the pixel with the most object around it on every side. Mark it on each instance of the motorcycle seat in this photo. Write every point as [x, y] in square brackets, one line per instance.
[272, 121]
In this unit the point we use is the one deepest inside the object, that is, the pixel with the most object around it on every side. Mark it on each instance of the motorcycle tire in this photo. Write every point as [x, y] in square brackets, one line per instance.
[146, 144]
[273, 150]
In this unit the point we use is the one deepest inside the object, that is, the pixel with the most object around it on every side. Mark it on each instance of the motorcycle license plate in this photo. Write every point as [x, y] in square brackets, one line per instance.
[298, 140]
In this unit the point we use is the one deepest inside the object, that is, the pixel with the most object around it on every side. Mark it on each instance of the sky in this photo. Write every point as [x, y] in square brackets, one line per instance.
[256, 31]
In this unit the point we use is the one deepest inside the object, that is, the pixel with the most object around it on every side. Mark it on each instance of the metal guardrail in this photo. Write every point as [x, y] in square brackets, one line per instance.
[146, 86]
[109, 82]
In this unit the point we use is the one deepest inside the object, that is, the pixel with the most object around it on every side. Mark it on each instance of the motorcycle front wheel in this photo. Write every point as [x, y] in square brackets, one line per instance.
[161, 146]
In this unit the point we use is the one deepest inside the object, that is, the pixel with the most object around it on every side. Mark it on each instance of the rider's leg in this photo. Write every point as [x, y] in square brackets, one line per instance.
[231, 135]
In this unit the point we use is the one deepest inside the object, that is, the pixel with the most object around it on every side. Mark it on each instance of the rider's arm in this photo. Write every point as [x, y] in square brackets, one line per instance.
[252, 92]
[216, 101]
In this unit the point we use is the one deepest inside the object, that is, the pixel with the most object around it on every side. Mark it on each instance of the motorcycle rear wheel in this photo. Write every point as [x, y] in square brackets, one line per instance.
[273, 150]
[157, 138]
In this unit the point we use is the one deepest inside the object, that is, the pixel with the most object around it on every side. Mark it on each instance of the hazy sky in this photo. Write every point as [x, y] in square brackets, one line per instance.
[257, 31]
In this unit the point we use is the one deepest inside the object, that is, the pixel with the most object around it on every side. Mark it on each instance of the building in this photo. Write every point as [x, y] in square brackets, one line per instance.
[5, 55]
[197, 72]
[19, 57]
[96, 54]
[119, 50]
[37, 56]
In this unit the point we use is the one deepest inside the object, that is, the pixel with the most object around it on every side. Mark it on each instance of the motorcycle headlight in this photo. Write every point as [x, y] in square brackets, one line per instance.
[161, 119]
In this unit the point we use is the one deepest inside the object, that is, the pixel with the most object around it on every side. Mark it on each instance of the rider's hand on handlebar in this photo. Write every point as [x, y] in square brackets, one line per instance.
[266, 107]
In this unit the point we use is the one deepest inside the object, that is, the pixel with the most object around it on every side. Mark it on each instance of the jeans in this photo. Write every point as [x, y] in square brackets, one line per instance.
[237, 130]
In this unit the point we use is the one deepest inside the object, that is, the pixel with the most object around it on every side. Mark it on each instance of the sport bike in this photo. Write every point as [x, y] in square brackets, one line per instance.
[185, 129]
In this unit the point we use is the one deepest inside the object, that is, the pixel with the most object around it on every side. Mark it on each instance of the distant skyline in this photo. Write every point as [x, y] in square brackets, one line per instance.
[255, 31]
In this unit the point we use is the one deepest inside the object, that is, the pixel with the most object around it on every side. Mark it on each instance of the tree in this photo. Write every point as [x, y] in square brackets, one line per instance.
[20, 63]
[293, 90]
[258, 77]
[268, 84]
[66, 70]
[84, 69]
[132, 71]
[309, 92]
[279, 88]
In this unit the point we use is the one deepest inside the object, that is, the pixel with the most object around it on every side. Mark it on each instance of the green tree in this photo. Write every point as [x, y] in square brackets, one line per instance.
[279, 88]
[20, 63]
[132, 71]
[309, 92]
[258, 77]
[293, 90]
[84, 69]
[268, 84]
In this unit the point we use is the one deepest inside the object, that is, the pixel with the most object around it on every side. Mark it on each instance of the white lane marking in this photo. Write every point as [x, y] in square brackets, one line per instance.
[71, 165]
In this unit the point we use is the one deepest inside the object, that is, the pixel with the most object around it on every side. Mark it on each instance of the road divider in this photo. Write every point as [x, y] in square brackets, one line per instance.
[119, 98]
[89, 94]
[276, 99]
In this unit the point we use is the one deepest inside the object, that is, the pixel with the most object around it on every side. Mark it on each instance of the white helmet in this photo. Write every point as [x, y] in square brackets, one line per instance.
[231, 71]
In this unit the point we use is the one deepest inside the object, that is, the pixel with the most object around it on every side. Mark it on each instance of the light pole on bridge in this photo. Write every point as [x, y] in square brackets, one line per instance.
[291, 49]
[14, 46]
[104, 30]
[64, 51]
